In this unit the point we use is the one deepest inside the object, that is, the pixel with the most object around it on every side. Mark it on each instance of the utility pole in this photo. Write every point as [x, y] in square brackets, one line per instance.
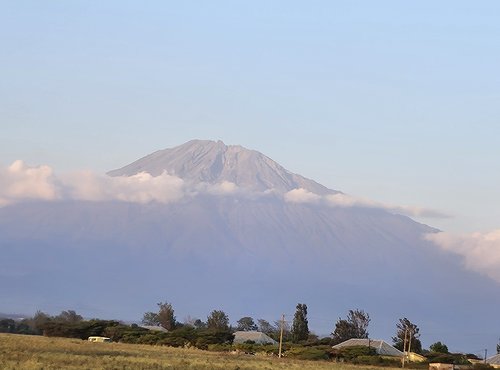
[409, 345]
[281, 333]
[404, 347]
[485, 355]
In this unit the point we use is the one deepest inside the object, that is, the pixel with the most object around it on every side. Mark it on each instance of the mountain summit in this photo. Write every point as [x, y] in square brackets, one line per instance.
[248, 255]
[214, 162]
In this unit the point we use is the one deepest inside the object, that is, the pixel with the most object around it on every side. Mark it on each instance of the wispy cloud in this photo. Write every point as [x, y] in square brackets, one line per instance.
[481, 251]
[345, 200]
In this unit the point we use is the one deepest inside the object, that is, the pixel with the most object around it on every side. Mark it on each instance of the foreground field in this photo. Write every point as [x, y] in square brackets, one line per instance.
[36, 352]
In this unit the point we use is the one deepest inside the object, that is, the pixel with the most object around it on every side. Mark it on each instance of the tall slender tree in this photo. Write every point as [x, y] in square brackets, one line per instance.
[166, 316]
[405, 328]
[300, 326]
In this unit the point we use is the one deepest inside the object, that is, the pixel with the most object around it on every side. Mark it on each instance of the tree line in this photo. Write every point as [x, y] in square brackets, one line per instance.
[217, 333]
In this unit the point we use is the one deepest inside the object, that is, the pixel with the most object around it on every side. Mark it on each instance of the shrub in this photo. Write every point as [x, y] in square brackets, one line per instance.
[307, 353]
[350, 353]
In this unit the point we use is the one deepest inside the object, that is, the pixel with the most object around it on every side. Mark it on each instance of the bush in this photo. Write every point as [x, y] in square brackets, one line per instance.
[307, 353]
[368, 360]
[350, 353]
[482, 366]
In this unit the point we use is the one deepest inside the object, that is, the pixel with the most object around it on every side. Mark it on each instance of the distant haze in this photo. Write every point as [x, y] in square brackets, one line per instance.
[212, 226]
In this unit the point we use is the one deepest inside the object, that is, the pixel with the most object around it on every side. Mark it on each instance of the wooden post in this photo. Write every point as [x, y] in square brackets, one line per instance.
[281, 334]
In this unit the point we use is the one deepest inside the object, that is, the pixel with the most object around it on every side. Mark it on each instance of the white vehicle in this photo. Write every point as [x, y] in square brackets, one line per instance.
[99, 339]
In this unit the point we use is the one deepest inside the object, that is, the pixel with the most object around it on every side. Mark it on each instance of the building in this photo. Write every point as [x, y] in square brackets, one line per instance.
[154, 328]
[254, 336]
[494, 361]
[381, 347]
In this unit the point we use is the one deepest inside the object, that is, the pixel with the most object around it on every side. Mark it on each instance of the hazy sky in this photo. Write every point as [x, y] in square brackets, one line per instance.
[395, 101]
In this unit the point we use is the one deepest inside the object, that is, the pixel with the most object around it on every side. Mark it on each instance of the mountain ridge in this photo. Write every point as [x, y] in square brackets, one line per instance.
[215, 162]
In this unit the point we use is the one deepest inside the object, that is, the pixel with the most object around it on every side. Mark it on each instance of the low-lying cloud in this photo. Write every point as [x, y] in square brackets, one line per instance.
[481, 251]
[345, 200]
[139, 188]
[20, 182]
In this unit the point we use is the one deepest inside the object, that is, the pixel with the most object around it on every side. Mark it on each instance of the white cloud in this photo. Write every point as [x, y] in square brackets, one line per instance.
[301, 196]
[140, 188]
[19, 182]
[481, 251]
[345, 200]
[223, 188]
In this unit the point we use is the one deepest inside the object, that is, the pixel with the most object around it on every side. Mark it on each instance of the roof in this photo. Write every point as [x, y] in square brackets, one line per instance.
[494, 360]
[383, 348]
[154, 328]
[255, 336]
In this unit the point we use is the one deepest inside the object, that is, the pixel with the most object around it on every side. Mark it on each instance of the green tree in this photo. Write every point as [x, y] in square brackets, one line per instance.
[218, 320]
[439, 347]
[68, 316]
[412, 331]
[150, 319]
[246, 324]
[265, 327]
[354, 326]
[166, 316]
[300, 325]
[40, 319]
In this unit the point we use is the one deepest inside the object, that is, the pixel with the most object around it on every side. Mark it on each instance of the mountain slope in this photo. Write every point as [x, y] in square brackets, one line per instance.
[256, 256]
[214, 162]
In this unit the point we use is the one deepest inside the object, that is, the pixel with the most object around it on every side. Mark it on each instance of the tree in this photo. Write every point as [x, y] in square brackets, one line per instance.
[498, 347]
[40, 319]
[246, 324]
[439, 347]
[354, 326]
[194, 323]
[412, 331]
[166, 316]
[300, 326]
[265, 327]
[68, 316]
[150, 319]
[218, 320]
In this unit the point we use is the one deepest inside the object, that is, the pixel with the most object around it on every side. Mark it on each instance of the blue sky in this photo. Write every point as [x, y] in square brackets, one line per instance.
[389, 100]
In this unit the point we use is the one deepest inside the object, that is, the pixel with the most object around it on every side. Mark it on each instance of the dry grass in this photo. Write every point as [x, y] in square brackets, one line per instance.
[36, 352]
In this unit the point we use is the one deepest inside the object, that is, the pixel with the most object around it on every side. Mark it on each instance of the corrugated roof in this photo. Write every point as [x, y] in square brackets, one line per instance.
[154, 328]
[383, 348]
[255, 336]
[494, 360]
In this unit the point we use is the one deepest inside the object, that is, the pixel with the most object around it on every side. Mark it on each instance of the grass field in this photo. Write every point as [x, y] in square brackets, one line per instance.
[36, 352]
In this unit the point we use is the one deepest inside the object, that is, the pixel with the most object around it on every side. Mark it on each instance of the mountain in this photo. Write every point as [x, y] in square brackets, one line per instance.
[214, 162]
[250, 253]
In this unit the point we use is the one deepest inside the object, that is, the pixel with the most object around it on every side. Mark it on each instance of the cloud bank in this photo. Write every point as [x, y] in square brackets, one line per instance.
[345, 200]
[481, 251]
[20, 182]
